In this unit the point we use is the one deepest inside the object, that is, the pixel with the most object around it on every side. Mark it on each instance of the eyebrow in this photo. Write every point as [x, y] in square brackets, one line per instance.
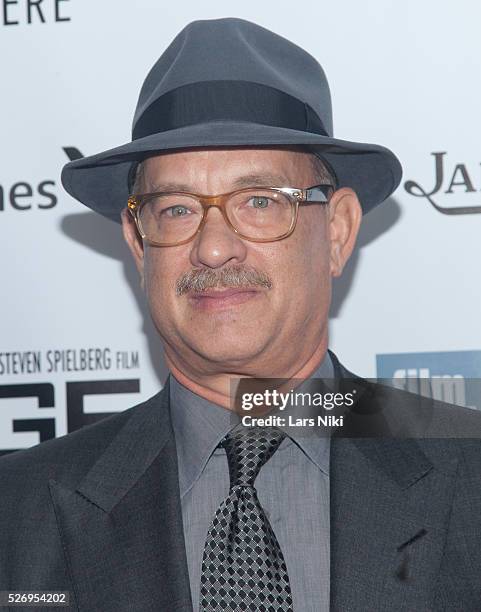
[247, 180]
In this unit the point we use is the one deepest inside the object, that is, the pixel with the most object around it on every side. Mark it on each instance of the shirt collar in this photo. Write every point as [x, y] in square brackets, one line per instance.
[200, 425]
[312, 441]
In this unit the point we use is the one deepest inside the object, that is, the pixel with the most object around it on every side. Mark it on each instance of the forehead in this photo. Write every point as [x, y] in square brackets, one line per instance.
[226, 166]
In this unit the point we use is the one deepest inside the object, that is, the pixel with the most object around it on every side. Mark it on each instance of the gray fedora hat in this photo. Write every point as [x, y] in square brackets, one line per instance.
[228, 82]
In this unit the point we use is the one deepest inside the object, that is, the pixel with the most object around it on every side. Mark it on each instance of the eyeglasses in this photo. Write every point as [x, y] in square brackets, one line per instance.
[257, 214]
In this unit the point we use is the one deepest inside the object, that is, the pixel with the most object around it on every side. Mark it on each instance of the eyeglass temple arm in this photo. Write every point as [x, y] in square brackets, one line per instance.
[317, 194]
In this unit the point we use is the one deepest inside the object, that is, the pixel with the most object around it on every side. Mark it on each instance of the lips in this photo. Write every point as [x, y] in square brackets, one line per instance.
[222, 298]
[223, 293]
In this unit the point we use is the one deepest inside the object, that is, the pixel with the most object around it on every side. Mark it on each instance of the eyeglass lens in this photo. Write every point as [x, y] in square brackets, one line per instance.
[255, 213]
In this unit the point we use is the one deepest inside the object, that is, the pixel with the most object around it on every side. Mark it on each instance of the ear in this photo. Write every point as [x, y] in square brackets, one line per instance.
[134, 242]
[345, 214]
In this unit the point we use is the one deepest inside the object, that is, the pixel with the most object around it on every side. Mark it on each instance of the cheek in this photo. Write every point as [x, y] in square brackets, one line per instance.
[160, 274]
[305, 256]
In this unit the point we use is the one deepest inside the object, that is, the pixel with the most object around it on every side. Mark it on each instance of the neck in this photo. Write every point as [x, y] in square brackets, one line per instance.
[216, 388]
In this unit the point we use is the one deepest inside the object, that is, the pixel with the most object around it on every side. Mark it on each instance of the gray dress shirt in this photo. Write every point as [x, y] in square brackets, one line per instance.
[293, 489]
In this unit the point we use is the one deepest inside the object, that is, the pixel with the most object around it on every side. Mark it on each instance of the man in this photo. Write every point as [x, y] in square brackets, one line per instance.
[241, 209]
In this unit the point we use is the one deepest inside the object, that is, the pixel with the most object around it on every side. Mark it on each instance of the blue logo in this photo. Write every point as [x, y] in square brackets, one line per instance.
[449, 376]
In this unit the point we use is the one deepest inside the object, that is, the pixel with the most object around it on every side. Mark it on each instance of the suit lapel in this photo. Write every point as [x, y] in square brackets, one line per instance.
[121, 527]
[390, 505]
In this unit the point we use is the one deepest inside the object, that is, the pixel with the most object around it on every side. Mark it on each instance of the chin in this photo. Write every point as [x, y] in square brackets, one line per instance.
[229, 351]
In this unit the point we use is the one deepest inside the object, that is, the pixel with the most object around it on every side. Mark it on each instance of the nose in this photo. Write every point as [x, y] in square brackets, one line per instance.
[217, 244]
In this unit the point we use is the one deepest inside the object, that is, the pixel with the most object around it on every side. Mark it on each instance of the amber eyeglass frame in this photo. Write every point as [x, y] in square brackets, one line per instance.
[296, 196]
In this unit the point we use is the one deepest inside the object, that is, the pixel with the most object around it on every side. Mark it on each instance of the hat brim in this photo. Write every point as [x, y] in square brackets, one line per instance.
[101, 181]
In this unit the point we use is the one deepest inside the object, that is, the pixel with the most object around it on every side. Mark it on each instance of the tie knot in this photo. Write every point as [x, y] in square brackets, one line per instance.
[248, 449]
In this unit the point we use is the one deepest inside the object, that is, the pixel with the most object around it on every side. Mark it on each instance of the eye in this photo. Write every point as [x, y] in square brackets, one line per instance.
[177, 211]
[259, 201]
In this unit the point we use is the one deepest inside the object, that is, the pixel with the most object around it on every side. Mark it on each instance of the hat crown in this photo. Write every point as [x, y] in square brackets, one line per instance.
[232, 49]
[229, 82]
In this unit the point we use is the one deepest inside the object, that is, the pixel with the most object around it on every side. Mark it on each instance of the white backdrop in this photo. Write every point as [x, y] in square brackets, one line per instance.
[404, 74]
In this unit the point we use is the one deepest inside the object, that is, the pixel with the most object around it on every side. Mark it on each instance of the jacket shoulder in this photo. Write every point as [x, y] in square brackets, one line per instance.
[67, 457]
[450, 435]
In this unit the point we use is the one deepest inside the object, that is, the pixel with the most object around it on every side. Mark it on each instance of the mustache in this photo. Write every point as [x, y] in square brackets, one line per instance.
[231, 276]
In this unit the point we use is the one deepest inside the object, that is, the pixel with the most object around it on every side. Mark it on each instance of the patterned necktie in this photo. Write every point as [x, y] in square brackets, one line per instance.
[243, 567]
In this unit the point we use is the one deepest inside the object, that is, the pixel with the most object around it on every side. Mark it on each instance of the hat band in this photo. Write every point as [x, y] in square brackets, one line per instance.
[205, 101]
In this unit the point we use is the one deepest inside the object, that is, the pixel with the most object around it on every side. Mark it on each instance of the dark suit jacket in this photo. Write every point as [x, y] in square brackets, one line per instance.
[97, 513]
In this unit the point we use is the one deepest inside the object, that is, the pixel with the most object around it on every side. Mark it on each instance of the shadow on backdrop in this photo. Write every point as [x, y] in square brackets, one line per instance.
[105, 237]
[380, 220]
